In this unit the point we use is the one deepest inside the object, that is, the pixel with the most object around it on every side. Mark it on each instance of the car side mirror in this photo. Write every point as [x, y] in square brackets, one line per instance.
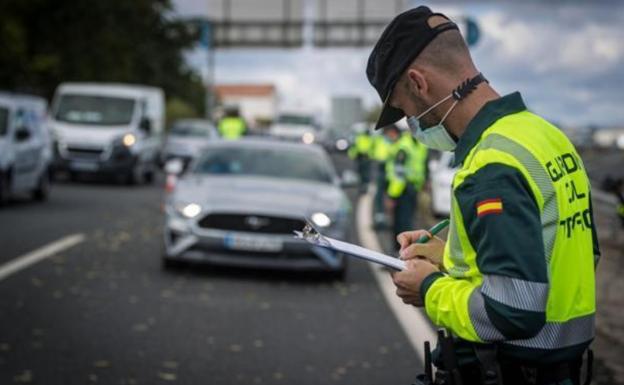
[349, 179]
[22, 134]
[146, 125]
[174, 167]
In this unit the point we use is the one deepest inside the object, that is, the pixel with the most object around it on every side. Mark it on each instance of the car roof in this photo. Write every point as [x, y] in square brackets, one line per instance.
[11, 100]
[113, 89]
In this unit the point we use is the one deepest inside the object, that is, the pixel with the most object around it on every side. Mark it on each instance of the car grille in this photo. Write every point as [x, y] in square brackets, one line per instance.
[252, 223]
[84, 153]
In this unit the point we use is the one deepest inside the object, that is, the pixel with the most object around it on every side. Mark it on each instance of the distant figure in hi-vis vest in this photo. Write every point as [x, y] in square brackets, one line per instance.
[232, 125]
[360, 152]
[405, 175]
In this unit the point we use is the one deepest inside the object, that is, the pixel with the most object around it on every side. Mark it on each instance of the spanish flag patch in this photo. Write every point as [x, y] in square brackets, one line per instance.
[489, 206]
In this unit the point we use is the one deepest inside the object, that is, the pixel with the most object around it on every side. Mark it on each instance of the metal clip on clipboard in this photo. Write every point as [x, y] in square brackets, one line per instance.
[311, 234]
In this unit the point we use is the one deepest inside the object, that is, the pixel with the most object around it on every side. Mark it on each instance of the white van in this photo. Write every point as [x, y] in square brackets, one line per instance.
[25, 146]
[105, 128]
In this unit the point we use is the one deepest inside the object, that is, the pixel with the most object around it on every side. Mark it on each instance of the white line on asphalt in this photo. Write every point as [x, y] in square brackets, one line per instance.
[38, 255]
[414, 322]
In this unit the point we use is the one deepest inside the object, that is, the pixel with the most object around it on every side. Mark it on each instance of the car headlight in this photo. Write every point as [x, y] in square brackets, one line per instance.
[321, 219]
[308, 138]
[342, 144]
[188, 210]
[128, 140]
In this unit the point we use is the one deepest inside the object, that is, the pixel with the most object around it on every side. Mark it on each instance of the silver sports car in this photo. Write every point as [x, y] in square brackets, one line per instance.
[240, 201]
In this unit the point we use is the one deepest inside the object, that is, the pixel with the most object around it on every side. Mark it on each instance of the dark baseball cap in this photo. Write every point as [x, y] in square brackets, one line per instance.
[400, 43]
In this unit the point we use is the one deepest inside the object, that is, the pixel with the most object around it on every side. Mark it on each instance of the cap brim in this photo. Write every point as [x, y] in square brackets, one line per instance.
[388, 115]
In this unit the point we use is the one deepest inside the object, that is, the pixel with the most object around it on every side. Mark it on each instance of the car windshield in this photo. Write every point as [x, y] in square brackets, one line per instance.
[191, 129]
[274, 163]
[4, 121]
[95, 110]
[299, 120]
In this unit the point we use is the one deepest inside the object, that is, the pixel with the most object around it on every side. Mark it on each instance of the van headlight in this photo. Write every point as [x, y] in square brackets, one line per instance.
[308, 138]
[188, 210]
[321, 219]
[128, 140]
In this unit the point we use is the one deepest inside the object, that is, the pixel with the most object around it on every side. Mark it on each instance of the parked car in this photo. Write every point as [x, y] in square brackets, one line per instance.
[110, 129]
[240, 201]
[441, 173]
[185, 139]
[25, 147]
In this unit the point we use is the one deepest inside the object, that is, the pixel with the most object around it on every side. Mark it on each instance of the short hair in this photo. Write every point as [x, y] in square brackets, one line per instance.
[448, 52]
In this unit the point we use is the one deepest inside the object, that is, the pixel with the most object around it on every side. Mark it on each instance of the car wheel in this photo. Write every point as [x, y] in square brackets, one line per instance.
[170, 264]
[5, 189]
[135, 175]
[148, 175]
[338, 275]
[42, 190]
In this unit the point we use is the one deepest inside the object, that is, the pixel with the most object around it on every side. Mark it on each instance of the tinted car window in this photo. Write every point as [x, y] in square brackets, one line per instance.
[278, 163]
[97, 110]
[4, 121]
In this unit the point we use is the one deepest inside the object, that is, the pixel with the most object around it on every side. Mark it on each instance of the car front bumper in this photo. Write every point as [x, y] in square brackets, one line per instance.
[117, 161]
[186, 242]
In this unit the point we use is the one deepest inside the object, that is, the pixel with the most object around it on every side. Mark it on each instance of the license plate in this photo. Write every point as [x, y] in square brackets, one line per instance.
[83, 166]
[252, 243]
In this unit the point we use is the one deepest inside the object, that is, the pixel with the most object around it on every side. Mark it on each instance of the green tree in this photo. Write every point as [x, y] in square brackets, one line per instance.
[43, 43]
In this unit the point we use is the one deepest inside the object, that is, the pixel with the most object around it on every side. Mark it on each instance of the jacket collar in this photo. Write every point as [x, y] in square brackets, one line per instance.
[487, 115]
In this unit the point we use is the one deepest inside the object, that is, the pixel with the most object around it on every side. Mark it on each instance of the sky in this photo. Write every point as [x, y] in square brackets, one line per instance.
[566, 58]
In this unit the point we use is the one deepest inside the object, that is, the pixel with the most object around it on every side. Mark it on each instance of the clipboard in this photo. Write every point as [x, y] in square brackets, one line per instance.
[311, 235]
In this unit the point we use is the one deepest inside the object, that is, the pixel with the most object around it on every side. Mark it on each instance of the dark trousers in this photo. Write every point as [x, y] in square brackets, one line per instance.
[378, 202]
[404, 210]
[364, 169]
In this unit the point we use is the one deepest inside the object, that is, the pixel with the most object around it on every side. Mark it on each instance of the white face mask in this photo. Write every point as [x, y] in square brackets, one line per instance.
[435, 137]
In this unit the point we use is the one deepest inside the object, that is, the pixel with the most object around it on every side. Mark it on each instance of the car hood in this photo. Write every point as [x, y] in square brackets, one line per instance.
[86, 134]
[257, 195]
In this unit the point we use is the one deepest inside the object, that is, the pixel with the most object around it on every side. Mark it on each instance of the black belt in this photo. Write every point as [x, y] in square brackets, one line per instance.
[543, 374]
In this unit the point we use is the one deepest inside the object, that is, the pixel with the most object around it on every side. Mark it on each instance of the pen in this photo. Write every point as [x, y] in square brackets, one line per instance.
[434, 231]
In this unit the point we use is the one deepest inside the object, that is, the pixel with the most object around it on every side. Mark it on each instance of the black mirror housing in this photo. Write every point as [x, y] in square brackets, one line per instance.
[146, 125]
[22, 134]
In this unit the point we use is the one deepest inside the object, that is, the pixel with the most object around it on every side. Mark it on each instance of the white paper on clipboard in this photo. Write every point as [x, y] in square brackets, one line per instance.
[313, 236]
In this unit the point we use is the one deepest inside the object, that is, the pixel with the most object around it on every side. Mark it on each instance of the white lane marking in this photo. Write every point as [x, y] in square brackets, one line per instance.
[413, 321]
[40, 254]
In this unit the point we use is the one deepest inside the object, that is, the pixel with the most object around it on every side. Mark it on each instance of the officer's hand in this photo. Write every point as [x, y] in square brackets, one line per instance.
[389, 203]
[432, 250]
[409, 280]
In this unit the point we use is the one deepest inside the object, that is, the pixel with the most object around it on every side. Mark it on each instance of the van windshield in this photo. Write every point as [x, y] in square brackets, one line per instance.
[95, 110]
[4, 121]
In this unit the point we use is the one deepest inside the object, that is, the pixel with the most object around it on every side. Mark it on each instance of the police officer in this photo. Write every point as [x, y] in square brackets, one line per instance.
[405, 173]
[379, 153]
[232, 125]
[517, 271]
[360, 151]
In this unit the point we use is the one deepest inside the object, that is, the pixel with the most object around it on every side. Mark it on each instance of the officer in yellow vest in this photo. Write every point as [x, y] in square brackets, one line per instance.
[360, 152]
[515, 281]
[616, 187]
[379, 153]
[405, 173]
[232, 125]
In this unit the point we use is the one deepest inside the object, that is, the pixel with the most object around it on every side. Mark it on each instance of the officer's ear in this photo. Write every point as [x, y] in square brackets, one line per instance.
[418, 82]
